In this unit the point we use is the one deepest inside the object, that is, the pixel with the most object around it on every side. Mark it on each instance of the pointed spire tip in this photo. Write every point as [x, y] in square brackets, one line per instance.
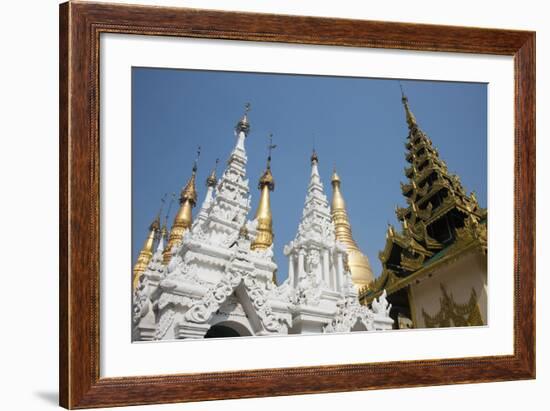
[212, 178]
[243, 125]
[335, 177]
[314, 157]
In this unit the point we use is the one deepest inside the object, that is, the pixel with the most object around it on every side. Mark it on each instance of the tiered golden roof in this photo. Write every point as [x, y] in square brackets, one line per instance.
[358, 263]
[440, 216]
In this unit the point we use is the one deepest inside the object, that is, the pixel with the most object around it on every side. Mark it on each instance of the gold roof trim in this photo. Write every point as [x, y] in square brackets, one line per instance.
[380, 284]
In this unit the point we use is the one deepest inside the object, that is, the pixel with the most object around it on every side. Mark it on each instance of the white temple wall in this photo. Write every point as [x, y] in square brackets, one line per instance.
[458, 277]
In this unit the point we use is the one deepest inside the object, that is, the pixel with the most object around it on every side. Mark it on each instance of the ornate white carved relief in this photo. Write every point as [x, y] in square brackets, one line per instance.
[213, 273]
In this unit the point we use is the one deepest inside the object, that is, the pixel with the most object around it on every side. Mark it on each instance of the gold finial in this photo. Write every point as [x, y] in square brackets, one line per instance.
[267, 177]
[189, 191]
[314, 157]
[264, 238]
[146, 252]
[335, 177]
[270, 148]
[361, 271]
[411, 119]
[184, 216]
[267, 180]
[155, 225]
[211, 180]
[243, 124]
[197, 159]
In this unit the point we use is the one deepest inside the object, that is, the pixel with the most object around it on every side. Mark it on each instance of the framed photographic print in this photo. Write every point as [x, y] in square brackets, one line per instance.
[354, 200]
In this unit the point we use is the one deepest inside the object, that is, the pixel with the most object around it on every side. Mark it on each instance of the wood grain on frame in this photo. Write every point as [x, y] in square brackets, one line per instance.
[80, 27]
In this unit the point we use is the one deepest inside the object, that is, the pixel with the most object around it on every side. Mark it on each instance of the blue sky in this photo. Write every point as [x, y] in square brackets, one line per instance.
[356, 124]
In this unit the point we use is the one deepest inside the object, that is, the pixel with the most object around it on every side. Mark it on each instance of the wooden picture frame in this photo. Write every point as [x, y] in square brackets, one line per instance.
[80, 27]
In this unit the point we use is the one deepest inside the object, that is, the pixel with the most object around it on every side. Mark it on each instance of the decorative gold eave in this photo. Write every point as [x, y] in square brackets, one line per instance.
[407, 242]
[384, 255]
[428, 215]
[394, 286]
[448, 204]
[412, 263]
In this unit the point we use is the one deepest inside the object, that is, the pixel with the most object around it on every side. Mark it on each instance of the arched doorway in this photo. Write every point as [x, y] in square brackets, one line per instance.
[359, 326]
[227, 329]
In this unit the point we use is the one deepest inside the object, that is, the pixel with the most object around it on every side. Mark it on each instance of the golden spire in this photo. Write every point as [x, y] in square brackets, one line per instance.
[411, 119]
[184, 216]
[264, 238]
[361, 272]
[146, 252]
